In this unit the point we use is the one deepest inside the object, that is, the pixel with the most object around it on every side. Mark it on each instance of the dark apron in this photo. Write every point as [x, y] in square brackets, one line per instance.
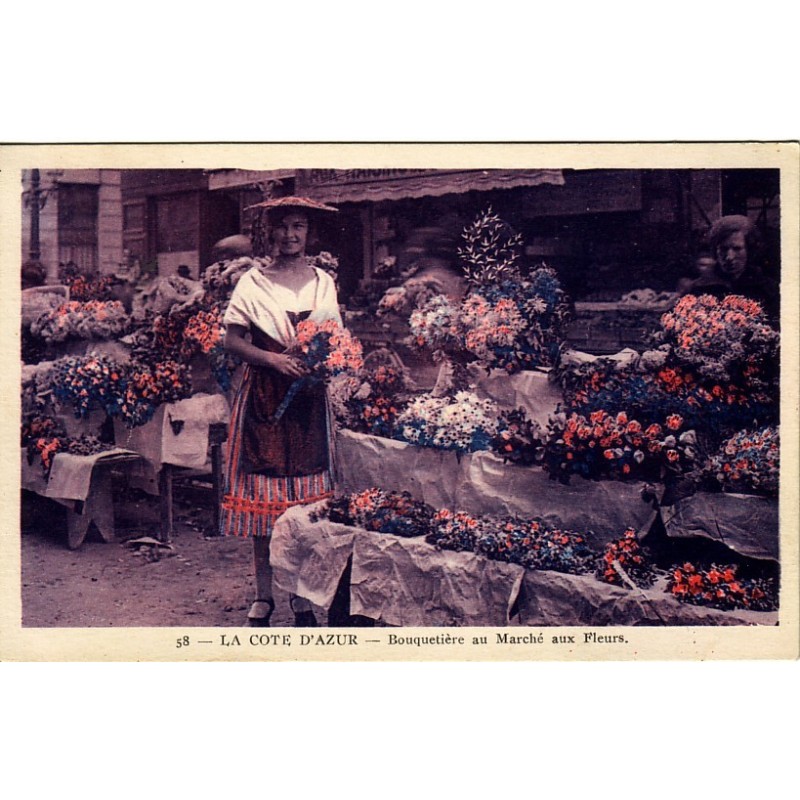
[295, 445]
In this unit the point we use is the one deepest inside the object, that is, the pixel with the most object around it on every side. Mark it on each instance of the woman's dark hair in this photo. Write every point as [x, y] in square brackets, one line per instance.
[736, 223]
[275, 215]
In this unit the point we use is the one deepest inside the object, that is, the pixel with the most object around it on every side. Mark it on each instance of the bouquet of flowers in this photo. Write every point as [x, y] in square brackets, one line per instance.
[414, 293]
[204, 334]
[203, 330]
[749, 462]
[533, 545]
[516, 324]
[464, 423]
[380, 511]
[83, 289]
[89, 383]
[512, 325]
[95, 319]
[624, 561]
[47, 447]
[722, 340]
[373, 408]
[529, 543]
[147, 387]
[719, 587]
[131, 391]
[455, 530]
[168, 334]
[435, 326]
[518, 440]
[615, 446]
[325, 350]
[38, 426]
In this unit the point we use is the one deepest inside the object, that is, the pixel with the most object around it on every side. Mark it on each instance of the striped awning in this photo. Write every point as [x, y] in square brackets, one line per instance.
[356, 185]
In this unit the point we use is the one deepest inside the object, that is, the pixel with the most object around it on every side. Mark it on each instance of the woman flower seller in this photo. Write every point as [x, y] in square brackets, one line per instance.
[274, 465]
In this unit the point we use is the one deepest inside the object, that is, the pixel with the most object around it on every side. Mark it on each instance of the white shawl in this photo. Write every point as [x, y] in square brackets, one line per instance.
[259, 301]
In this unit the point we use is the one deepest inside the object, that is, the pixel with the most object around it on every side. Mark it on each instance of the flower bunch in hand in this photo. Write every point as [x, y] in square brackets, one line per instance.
[326, 350]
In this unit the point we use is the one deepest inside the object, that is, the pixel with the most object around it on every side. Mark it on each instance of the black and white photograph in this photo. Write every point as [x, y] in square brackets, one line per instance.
[474, 411]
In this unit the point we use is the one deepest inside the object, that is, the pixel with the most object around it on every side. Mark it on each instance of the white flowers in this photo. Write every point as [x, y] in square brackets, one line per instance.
[462, 423]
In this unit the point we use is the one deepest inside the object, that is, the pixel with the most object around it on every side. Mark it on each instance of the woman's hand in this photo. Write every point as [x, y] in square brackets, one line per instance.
[236, 344]
[286, 364]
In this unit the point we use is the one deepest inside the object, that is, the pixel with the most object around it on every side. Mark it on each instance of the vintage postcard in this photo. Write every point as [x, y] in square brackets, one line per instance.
[400, 402]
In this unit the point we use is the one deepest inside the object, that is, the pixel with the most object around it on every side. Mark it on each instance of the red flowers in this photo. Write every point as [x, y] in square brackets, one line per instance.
[625, 557]
[674, 422]
[718, 587]
[575, 444]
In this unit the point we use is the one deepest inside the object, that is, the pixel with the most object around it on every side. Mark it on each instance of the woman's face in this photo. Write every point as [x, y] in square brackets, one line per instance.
[290, 234]
[732, 254]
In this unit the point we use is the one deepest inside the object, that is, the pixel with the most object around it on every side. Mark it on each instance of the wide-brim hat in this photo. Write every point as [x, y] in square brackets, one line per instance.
[293, 202]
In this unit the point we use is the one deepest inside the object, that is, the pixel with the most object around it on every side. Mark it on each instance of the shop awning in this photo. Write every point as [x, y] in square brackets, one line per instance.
[357, 185]
[244, 178]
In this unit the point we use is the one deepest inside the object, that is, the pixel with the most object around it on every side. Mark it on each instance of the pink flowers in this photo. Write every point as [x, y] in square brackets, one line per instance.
[95, 319]
[749, 462]
[719, 338]
[327, 349]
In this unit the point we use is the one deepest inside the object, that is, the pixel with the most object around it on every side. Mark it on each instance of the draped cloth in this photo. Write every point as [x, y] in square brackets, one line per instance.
[272, 466]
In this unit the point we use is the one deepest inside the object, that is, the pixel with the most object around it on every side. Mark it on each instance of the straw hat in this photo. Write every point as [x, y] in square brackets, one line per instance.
[303, 203]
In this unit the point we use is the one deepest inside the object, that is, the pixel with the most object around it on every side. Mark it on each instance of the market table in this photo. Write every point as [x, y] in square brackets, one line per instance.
[393, 580]
[407, 582]
[178, 437]
[481, 483]
[83, 484]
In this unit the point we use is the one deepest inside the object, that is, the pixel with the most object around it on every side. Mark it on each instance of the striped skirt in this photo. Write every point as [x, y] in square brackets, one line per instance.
[252, 503]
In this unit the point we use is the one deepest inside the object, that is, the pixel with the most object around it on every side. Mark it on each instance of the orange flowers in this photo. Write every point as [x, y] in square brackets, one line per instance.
[718, 587]
[674, 422]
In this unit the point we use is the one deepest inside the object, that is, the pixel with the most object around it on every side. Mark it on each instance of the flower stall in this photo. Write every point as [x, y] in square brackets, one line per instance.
[455, 568]
[120, 382]
[598, 452]
[534, 485]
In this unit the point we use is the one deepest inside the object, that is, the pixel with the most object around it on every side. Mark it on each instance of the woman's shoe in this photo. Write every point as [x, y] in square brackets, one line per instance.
[305, 619]
[260, 613]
